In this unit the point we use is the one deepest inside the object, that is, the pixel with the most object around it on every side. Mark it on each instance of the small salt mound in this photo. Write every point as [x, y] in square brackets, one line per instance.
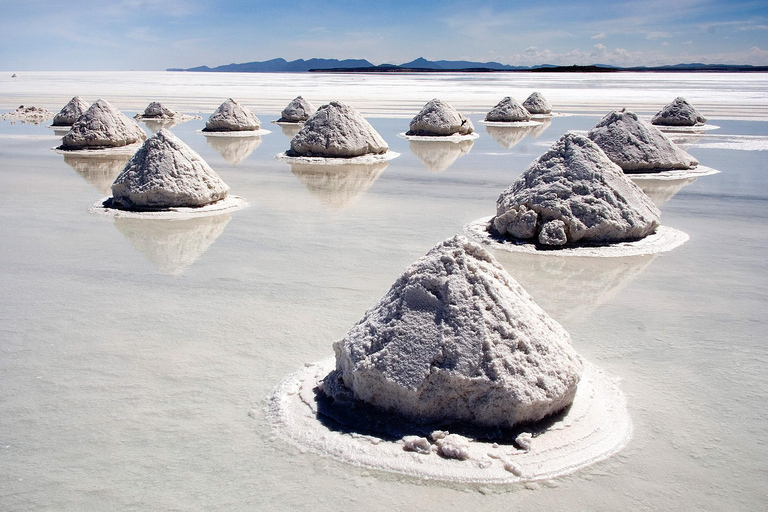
[71, 111]
[166, 173]
[508, 111]
[297, 111]
[337, 130]
[232, 117]
[637, 146]
[438, 118]
[574, 194]
[537, 104]
[457, 339]
[678, 113]
[157, 110]
[102, 126]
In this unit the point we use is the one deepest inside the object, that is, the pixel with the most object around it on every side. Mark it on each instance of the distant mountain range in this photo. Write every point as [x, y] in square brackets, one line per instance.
[422, 65]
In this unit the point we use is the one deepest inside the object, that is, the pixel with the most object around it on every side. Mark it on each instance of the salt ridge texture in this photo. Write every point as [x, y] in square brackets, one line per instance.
[574, 194]
[456, 338]
[439, 119]
[232, 117]
[102, 126]
[166, 173]
[337, 130]
[637, 146]
[71, 111]
[508, 111]
[678, 113]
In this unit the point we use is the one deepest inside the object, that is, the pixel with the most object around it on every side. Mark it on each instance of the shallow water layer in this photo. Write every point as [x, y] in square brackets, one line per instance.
[135, 359]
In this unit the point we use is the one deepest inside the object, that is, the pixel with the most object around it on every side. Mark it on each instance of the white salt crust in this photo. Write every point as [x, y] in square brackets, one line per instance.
[456, 137]
[229, 204]
[512, 123]
[663, 240]
[362, 159]
[596, 427]
[686, 129]
[120, 150]
[696, 172]
[238, 133]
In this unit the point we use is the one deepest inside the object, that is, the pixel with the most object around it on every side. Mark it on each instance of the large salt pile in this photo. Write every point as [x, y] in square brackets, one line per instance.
[337, 130]
[156, 110]
[678, 113]
[102, 126]
[637, 146]
[457, 339]
[508, 111]
[439, 119]
[71, 111]
[232, 117]
[537, 104]
[574, 194]
[166, 173]
[297, 111]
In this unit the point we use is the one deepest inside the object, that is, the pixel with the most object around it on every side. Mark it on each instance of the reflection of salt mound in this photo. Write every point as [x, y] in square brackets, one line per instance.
[438, 118]
[290, 130]
[100, 171]
[678, 113]
[166, 173]
[636, 146]
[439, 155]
[297, 111]
[172, 245]
[571, 289]
[508, 136]
[102, 126]
[457, 339]
[232, 117]
[537, 104]
[234, 150]
[71, 111]
[338, 186]
[508, 111]
[661, 191]
[155, 125]
[337, 130]
[574, 194]
[539, 128]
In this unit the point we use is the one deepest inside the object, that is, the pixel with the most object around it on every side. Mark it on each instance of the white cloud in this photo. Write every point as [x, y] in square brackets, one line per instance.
[598, 36]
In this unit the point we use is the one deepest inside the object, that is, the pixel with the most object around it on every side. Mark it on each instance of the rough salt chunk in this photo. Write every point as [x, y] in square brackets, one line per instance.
[678, 113]
[574, 194]
[166, 173]
[537, 104]
[337, 130]
[524, 441]
[71, 111]
[232, 117]
[438, 118]
[456, 338]
[508, 111]
[102, 126]
[297, 111]
[417, 444]
[636, 146]
[453, 446]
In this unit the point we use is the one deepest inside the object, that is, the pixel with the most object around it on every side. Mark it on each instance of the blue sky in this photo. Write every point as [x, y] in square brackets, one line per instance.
[157, 34]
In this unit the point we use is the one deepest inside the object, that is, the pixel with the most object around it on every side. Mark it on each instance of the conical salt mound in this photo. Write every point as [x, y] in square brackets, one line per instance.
[337, 130]
[156, 110]
[574, 194]
[438, 118]
[166, 173]
[457, 339]
[637, 146]
[232, 117]
[678, 113]
[102, 126]
[508, 111]
[71, 111]
[297, 111]
[537, 104]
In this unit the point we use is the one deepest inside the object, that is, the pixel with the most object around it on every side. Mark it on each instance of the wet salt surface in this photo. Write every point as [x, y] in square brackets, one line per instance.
[135, 360]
